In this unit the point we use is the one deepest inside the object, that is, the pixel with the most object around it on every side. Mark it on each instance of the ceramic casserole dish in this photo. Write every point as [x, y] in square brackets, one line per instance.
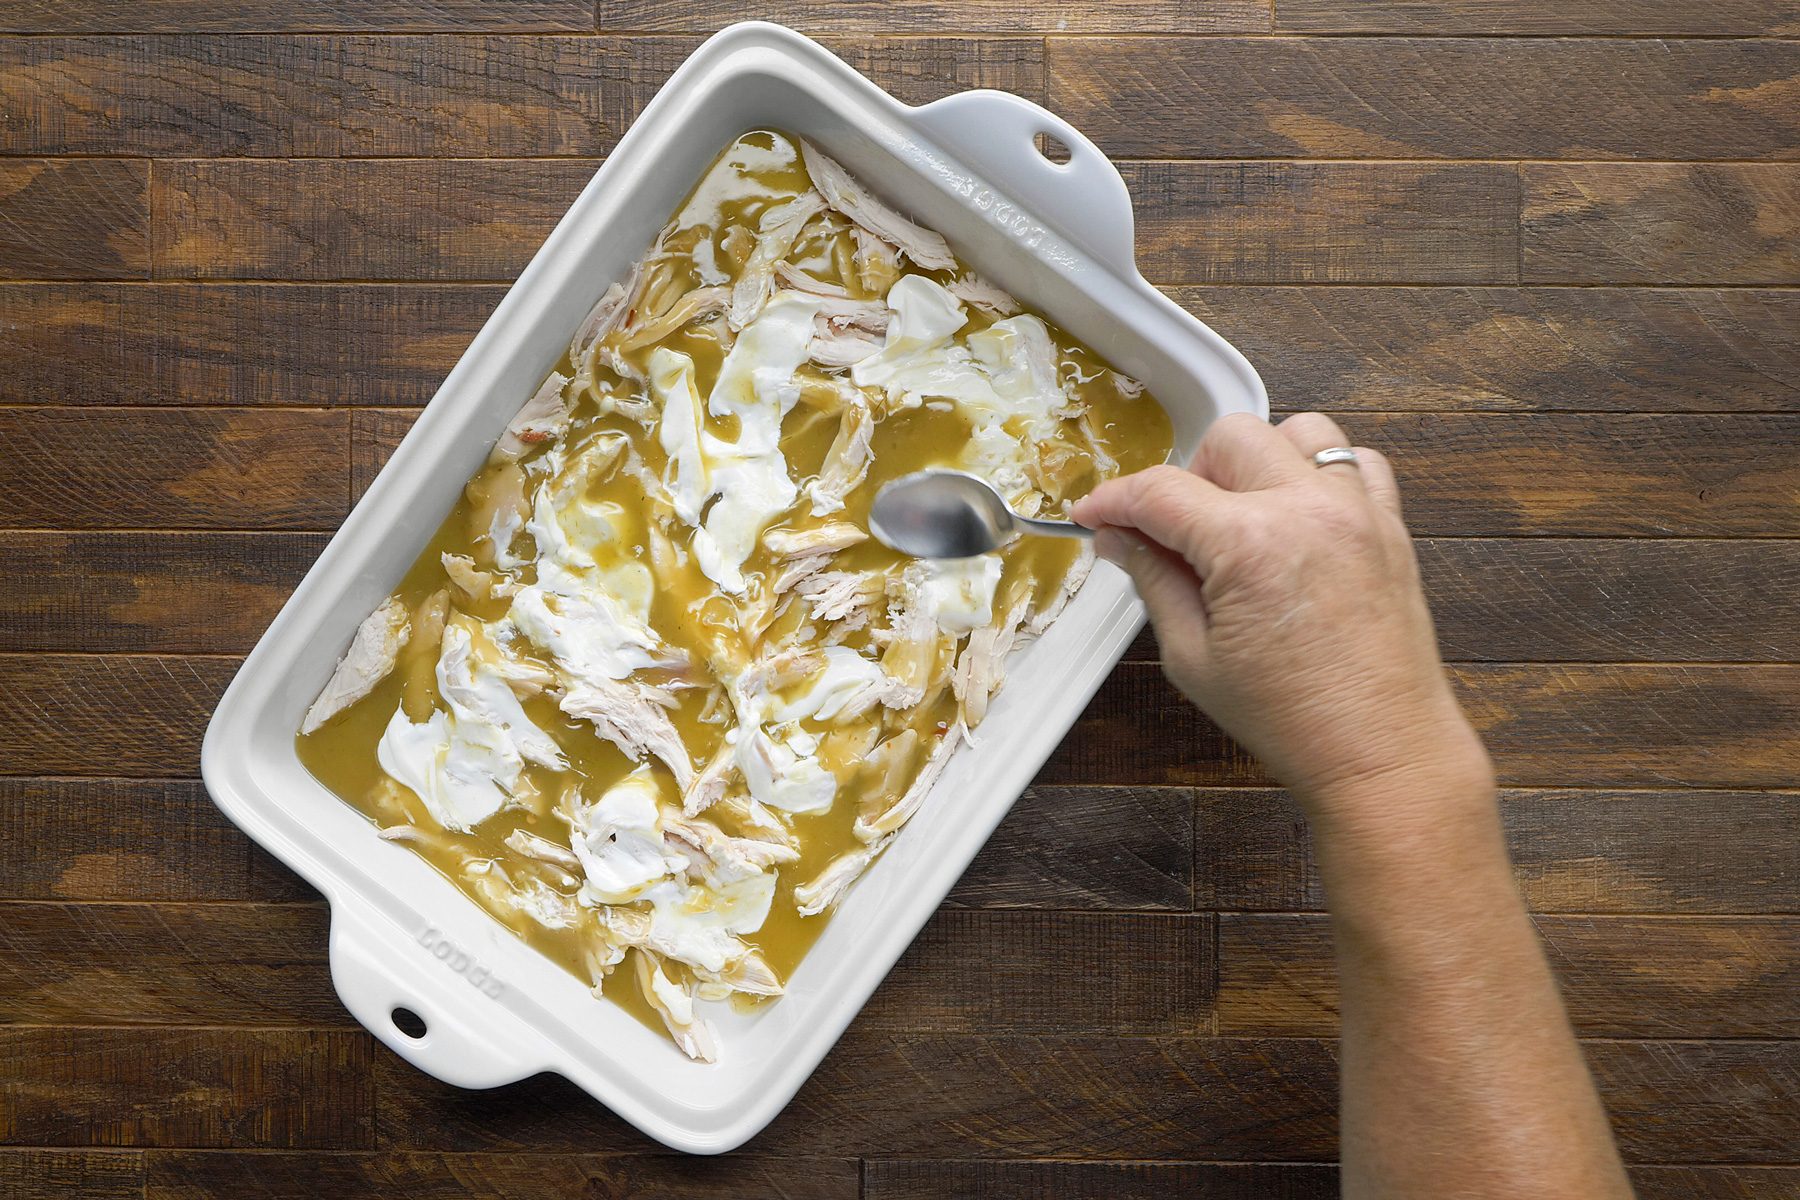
[1059, 237]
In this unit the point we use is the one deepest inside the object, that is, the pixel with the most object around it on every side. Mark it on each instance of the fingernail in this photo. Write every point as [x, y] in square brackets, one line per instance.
[1112, 545]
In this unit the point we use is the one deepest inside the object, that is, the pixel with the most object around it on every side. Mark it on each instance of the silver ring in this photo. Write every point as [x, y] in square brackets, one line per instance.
[1336, 454]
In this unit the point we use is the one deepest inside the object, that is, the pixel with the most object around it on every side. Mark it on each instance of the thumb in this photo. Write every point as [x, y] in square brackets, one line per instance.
[1164, 581]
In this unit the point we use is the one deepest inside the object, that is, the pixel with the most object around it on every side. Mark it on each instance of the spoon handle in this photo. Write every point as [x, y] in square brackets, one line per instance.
[1052, 528]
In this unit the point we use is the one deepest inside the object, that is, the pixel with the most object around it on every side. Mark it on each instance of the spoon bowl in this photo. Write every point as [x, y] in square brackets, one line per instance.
[940, 513]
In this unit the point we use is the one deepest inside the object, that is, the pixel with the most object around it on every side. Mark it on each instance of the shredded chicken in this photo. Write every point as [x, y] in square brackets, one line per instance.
[630, 719]
[843, 193]
[373, 651]
[541, 419]
[974, 290]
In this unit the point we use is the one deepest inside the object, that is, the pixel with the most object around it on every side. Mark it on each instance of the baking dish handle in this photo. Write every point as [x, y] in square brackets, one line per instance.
[1085, 198]
[380, 975]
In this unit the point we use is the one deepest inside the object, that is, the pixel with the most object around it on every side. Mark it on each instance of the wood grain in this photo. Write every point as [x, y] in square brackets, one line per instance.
[1389, 97]
[188, 1175]
[1541, 17]
[90, 468]
[1586, 475]
[366, 96]
[1116, 848]
[374, 436]
[252, 16]
[905, 1179]
[1051, 972]
[86, 219]
[1573, 851]
[1276, 222]
[1604, 600]
[276, 1088]
[1704, 223]
[235, 344]
[1713, 977]
[1598, 725]
[1141, 1099]
[351, 219]
[1715, 1183]
[166, 964]
[152, 593]
[1452, 349]
[109, 715]
[947, 16]
[129, 839]
[71, 1174]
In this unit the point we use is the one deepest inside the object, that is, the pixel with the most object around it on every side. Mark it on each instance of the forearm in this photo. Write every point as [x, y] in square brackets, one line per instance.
[1461, 1076]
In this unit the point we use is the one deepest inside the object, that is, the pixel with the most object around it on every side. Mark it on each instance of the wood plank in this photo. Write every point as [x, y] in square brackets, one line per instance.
[335, 219]
[202, 593]
[1533, 349]
[1051, 972]
[930, 1179]
[1612, 475]
[1603, 600]
[950, 16]
[369, 96]
[166, 964]
[110, 715]
[123, 839]
[1404, 97]
[1086, 848]
[71, 1174]
[76, 468]
[1637, 18]
[1202, 222]
[190, 1175]
[1583, 725]
[235, 344]
[275, 1088]
[74, 220]
[1699, 977]
[256, 16]
[1140, 1099]
[1572, 851]
[374, 436]
[1708, 223]
[1276, 222]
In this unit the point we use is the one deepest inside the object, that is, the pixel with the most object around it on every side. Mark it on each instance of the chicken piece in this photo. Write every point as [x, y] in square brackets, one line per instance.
[497, 512]
[821, 539]
[776, 234]
[877, 263]
[473, 582]
[847, 196]
[847, 461]
[847, 331]
[674, 1003]
[973, 289]
[374, 649]
[693, 307]
[540, 419]
[874, 829]
[625, 716]
[1078, 573]
[828, 887]
[750, 974]
[608, 314]
[1128, 387]
[849, 596]
[716, 855]
[542, 849]
[793, 277]
[708, 786]
[981, 668]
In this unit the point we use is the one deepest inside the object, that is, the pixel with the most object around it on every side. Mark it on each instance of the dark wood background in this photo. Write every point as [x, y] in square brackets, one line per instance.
[1544, 252]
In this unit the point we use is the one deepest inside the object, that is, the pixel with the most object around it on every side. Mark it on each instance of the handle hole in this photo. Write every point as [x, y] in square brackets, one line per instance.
[409, 1022]
[1052, 148]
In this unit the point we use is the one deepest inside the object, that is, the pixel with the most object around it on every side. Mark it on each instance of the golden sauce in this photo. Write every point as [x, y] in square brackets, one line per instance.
[687, 609]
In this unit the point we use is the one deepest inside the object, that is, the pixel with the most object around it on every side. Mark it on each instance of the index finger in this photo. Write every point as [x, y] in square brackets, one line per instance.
[1170, 506]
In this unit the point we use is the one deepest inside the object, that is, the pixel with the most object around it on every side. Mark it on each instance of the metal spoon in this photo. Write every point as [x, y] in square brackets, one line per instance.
[951, 514]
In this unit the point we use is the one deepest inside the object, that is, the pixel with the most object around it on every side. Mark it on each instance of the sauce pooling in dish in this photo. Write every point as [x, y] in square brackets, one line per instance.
[652, 696]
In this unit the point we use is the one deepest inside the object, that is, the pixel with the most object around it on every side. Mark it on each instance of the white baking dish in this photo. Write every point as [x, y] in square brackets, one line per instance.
[1059, 237]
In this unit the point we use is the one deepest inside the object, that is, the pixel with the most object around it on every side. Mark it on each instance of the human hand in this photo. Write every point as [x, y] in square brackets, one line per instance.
[1287, 603]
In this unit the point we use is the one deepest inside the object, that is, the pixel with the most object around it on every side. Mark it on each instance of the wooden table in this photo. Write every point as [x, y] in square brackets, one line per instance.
[1541, 251]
